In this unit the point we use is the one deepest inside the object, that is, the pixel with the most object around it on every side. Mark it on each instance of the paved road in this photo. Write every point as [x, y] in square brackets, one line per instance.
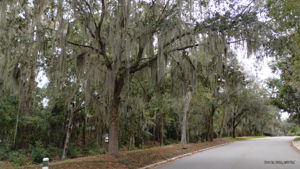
[262, 153]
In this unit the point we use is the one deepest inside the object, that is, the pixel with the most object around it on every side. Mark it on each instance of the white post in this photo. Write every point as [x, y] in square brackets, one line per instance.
[45, 163]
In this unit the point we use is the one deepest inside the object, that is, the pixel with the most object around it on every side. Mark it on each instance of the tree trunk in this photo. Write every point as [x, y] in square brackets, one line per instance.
[131, 142]
[262, 129]
[84, 131]
[69, 130]
[154, 128]
[99, 133]
[211, 124]
[188, 134]
[14, 145]
[113, 146]
[211, 129]
[161, 132]
[222, 126]
[184, 119]
[233, 131]
[233, 126]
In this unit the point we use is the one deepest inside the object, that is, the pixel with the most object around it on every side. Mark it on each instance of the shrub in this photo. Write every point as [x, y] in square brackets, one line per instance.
[3, 153]
[100, 151]
[38, 152]
[91, 149]
[54, 152]
[170, 141]
[73, 151]
[88, 151]
[17, 157]
[4, 149]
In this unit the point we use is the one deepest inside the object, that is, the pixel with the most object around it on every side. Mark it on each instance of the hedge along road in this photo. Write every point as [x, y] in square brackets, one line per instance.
[261, 153]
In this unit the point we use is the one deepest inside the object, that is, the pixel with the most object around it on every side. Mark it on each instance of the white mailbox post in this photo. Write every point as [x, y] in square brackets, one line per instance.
[106, 139]
[45, 163]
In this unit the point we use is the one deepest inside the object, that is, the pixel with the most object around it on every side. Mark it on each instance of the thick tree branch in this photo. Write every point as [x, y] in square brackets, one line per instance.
[176, 38]
[137, 66]
[163, 11]
[107, 61]
[139, 56]
[142, 65]
[183, 48]
[102, 45]
[83, 46]
[180, 67]
[190, 61]
[99, 26]
[207, 24]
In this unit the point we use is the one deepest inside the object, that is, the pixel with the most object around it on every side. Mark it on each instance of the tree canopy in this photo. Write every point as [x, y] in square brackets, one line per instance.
[132, 72]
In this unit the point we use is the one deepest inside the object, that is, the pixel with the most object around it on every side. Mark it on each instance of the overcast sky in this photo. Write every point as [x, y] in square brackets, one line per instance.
[261, 70]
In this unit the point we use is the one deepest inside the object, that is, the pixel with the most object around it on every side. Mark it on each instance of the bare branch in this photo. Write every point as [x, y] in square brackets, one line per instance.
[102, 16]
[139, 56]
[163, 11]
[107, 61]
[91, 17]
[143, 65]
[183, 48]
[84, 46]
[99, 27]
[177, 37]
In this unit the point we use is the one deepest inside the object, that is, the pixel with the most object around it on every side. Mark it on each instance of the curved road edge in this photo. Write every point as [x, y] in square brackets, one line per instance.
[295, 145]
[181, 156]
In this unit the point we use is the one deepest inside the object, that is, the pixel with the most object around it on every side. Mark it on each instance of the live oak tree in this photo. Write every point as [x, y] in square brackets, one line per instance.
[285, 46]
[121, 33]
[90, 50]
[20, 23]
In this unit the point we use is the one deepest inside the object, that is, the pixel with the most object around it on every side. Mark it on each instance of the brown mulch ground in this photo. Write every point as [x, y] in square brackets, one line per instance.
[129, 160]
[6, 165]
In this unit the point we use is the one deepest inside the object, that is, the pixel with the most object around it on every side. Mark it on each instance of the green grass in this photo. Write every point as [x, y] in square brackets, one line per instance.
[246, 138]
[297, 139]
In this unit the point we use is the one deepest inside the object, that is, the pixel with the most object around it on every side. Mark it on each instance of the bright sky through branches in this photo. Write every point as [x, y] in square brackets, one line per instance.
[260, 69]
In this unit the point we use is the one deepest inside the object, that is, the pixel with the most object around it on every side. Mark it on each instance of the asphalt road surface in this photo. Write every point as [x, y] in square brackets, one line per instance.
[261, 153]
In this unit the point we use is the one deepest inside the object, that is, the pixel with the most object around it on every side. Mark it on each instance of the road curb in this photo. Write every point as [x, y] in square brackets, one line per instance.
[296, 147]
[180, 156]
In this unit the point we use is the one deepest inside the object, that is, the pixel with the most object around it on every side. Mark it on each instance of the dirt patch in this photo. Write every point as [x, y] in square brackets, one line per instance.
[131, 159]
[6, 165]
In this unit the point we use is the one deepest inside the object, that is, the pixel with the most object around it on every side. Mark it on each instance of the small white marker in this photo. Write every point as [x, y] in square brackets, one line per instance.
[45, 163]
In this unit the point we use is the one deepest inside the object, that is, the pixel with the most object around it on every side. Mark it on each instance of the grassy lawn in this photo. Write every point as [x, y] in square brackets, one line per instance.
[297, 139]
[246, 138]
